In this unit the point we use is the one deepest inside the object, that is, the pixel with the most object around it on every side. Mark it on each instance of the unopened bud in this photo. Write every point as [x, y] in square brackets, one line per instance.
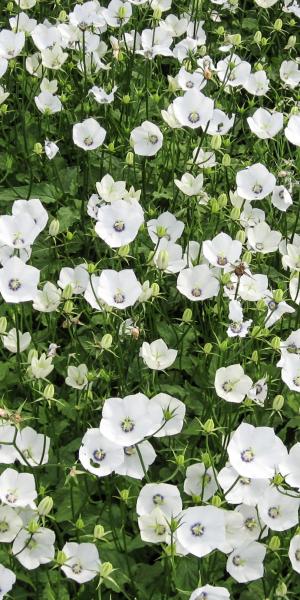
[162, 260]
[257, 37]
[61, 558]
[180, 460]
[278, 296]
[274, 543]
[106, 341]
[124, 250]
[216, 501]
[275, 342]
[157, 14]
[33, 526]
[187, 315]
[241, 236]
[235, 213]
[278, 402]
[68, 307]
[222, 200]
[38, 148]
[226, 160]
[106, 569]
[214, 206]
[91, 268]
[209, 426]
[124, 495]
[247, 257]
[278, 25]
[207, 348]
[54, 228]
[3, 324]
[45, 506]
[79, 523]
[216, 141]
[129, 159]
[155, 290]
[254, 356]
[99, 532]
[68, 292]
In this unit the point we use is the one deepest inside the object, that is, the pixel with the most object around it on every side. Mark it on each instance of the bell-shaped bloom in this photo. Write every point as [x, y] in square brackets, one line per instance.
[118, 223]
[193, 109]
[255, 182]
[201, 530]
[292, 131]
[127, 421]
[82, 561]
[99, 455]
[245, 563]
[232, 384]
[146, 139]
[34, 550]
[157, 355]
[264, 124]
[136, 463]
[159, 495]
[118, 288]
[18, 282]
[17, 489]
[200, 481]
[88, 135]
[197, 283]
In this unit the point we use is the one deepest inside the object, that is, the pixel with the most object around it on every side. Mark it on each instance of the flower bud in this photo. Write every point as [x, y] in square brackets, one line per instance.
[126, 99]
[69, 236]
[10, 7]
[32, 354]
[38, 148]
[216, 501]
[261, 305]
[241, 236]
[79, 523]
[223, 345]
[247, 257]
[225, 278]
[207, 348]
[162, 260]
[157, 14]
[216, 141]
[99, 532]
[278, 296]
[61, 557]
[278, 402]
[187, 316]
[124, 250]
[275, 342]
[3, 324]
[278, 25]
[209, 426]
[155, 290]
[291, 42]
[257, 37]
[33, 526]
[254, 356]
[222, 200]
[214, 206]
[264, 41]
[111, 147]
[220, 30]
[106, 569]
[68, 307]
[129, 159]
[226, 160]
[205, 458]
[54, 228]
[124, 495]
[278, 479]
[235, 213]
[62, 16]
[45, 506]
[274, 543]
[295, 110]
[91, 268]
[180, 460]
[68, 292]
[106, 341]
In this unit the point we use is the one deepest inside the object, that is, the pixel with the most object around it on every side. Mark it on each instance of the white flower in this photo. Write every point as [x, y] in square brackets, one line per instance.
[294, 552]
[290, 468]
[168, 257]
[34, 550]
[290, 372]
[33, 447]
[292, 131]
[132, 465]
[241, 490]
[77, 377]
[7, 580]
[255, 182]
[251, 216]
[220, 123]
[17, 489]
[172, 414]
[184, 48]
[258, 392]
[146, 139]
[118, 223]
[197, 283]
[82, 561]
[78, 278]
[51, 149]
[193, 109]
[291, 256]
[164, 496]
[98, 455]
[281, 198]
[249, 451]
[117, 13]
[10, 525]
[204, 160]
[34, 209]
[18, 282]
[18, 231]
[245, 563]
[278, 510]
[262, 239]
[257, 84]
[25, 4]
[165, 226]
[8, 452]
[157, 355]
[232, 384]
[88, 135]
[294, 288]
[110, 190]
[201, 530]
[190, 185]
[200, 481]
[54, 57]
[11, 44]
[238, 327]
[221, 250]
[155, 42]
[253, 287]
[119, 289]
[275, 309]
[127, 421]
[41, 367]
[10, 340]
[209, 592]
[265, 124]
[154, 526]
[45, 36]
[252, 522]
[169, 117]
[48, 103]
[289, 73]
[101, 96]
[187, 81]
[48, 299]
[233, 71]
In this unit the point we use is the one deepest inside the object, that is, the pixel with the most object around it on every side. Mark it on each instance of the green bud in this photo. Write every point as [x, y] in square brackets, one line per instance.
[254, 356]
[216, 501]
[48, 392]
[236, 39]
[209, 426]
[54, 228]
[261, 305]
[3, 324]
[247, 257]
[99, 532]
[124, 495]
[157, 14]
[220, 30]
[10, 7]
[216, 141]
[205, 458]
[225, 278]
[68, 307]
[111, 147]
[124, 250]
[241, 236]
[180, 460]
[68, 292]
[222, 200]
[62, 16]
[33, 526]
[187, 316]
[235, 213]
[214, 206]
[32, 354]
[257, 37]
[278, 296]
[45, 506]
[69, 236]
[295, 110]
[226, 160]
[207, 348]
[38, 148]
[79, 523]
[106, 569]
[61, 557]
[264, 41]
[278, 479]
[223, 345]
[291, 42]
[106, 341]
[126, 99]
[162, 260]
[274, 543]
[278, 402]
[278, 25]
[129, 159]
[91, 268]
[275, 342]
[155, 290]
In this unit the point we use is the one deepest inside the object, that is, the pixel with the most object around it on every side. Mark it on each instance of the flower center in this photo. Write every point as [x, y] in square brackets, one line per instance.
[119, 226]
[237, 561]
[11, 497]
[194, 117]
[14, 284]
[245, 481]
[257, 188]
[197, 529]
[159, 529]
[236, 327]
[119, 297]
[129, 450]
[153, 139]
[222, 260]
[158, 499]
[4, 527]
[127, 425]
[17, 239]
[250, 523]
[296, 380]
[196, 292]
[88, 140]
[227, 386]
[247, 455]
[259, 246]
[189, 84]
[99, 455]
[272, 305]
[274, 512]
[76, 568]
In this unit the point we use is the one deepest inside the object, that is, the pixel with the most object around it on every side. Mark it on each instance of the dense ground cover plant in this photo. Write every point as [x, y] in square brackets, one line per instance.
[150, 290]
